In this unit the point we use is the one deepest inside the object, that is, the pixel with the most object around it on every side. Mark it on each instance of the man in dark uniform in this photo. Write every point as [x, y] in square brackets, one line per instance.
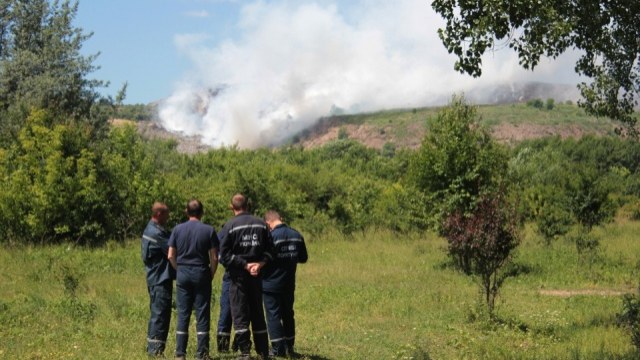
[279, 283]
[160, 277]
[244, 250]
[193, 252]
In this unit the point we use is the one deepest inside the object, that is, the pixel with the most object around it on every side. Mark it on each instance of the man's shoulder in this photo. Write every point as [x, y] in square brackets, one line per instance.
[153, 229]
[285, 231]
[244, 220]
[206, 228]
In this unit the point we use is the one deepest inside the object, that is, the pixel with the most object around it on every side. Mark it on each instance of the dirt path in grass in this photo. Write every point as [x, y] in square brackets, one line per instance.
[596, 292]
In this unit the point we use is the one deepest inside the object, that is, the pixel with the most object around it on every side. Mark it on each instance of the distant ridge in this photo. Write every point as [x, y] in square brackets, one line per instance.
[503, 108]
[509, 93]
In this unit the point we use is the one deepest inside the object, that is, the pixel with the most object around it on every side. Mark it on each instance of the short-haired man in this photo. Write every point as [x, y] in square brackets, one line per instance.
[160, 275]
[244, 250]
[279, 284]
[193, 252]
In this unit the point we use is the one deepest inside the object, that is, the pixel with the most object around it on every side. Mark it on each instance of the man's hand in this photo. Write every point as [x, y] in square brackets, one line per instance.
[254, 268]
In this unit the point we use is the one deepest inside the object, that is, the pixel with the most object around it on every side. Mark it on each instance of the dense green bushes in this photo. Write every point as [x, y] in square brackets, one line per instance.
[582, 182]
[59, 183]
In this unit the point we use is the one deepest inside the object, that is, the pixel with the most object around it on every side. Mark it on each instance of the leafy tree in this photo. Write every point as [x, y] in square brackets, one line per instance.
[132, 182]
[550, 104]
[41, 65]
[457, 161]
[589, 197]
[536, 103]
[606, 32]
[51, 190]
[487, 236]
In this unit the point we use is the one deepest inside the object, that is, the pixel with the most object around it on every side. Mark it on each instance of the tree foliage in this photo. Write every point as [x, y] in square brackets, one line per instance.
[605, 32]
[41, 65]
[457, 161]
[51, 190]
[484, 239]
[629, 317]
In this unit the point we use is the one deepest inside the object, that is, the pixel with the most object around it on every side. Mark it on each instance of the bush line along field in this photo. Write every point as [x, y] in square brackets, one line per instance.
[371, 295]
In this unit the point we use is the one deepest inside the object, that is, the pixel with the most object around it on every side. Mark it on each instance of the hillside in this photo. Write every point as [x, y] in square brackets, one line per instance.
[405, 128]
[508, 123]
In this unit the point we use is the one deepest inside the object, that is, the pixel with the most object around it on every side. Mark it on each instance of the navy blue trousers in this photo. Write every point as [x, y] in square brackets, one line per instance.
[245, 294]
[193, 290]
[224, 321]
[280, 321]
[160, 309]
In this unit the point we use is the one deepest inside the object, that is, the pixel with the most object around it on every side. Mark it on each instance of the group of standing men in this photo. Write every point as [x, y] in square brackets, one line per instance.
[260, 258]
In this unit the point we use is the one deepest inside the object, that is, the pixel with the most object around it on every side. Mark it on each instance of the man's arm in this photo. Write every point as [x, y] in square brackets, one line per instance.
[213, 259]
[302, 251]
[267, 256]
[172, 258]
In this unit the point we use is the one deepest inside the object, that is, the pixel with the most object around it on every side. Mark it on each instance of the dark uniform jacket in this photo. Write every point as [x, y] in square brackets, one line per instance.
[289, 250]
[245, 239]
[154, 243]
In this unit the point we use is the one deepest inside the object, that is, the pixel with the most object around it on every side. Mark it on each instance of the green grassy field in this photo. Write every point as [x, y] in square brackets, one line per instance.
[372, 295]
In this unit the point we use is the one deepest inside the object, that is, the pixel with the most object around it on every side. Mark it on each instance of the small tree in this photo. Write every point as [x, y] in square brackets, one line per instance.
[343, 134]
[550, 103]
[629, 318]
[536, 103]
[589, 197]
[457, 161]
[488, 236]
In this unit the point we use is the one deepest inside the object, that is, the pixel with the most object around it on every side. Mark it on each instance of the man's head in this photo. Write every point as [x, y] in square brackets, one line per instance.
[160, 213]
[239, 203]
[194, 209]
[272, 218]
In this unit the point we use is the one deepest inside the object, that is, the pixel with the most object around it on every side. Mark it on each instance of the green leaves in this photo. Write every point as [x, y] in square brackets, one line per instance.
[40, 63]
[457, 161]
[605, 32]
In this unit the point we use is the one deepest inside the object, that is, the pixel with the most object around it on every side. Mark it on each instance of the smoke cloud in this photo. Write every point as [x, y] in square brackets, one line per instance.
[293, 62]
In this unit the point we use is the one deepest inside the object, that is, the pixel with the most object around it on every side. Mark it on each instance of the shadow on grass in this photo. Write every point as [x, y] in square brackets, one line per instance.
[311, 357]
[300, 356]
[512, 269]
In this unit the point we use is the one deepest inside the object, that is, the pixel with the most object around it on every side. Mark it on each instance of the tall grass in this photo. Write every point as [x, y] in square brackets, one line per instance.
[372, 295]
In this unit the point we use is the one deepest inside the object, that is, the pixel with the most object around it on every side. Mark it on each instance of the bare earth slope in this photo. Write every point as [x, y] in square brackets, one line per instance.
[509, 123]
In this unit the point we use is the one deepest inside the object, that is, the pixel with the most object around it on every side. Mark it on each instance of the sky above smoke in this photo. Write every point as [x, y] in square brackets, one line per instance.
[292, 62]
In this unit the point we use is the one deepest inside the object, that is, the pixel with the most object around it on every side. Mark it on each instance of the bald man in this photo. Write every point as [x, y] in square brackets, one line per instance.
[160, 275]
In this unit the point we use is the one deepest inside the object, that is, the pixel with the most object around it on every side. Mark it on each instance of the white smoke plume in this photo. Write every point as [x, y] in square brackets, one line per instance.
[296, 61]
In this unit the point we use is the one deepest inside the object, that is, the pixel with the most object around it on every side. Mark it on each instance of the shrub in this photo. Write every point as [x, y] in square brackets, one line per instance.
[457, 161]
[536, 103]
[587, 246]
[342, 134]
[484, 240]
[629, 318]
[552, 222]
[550, 104]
